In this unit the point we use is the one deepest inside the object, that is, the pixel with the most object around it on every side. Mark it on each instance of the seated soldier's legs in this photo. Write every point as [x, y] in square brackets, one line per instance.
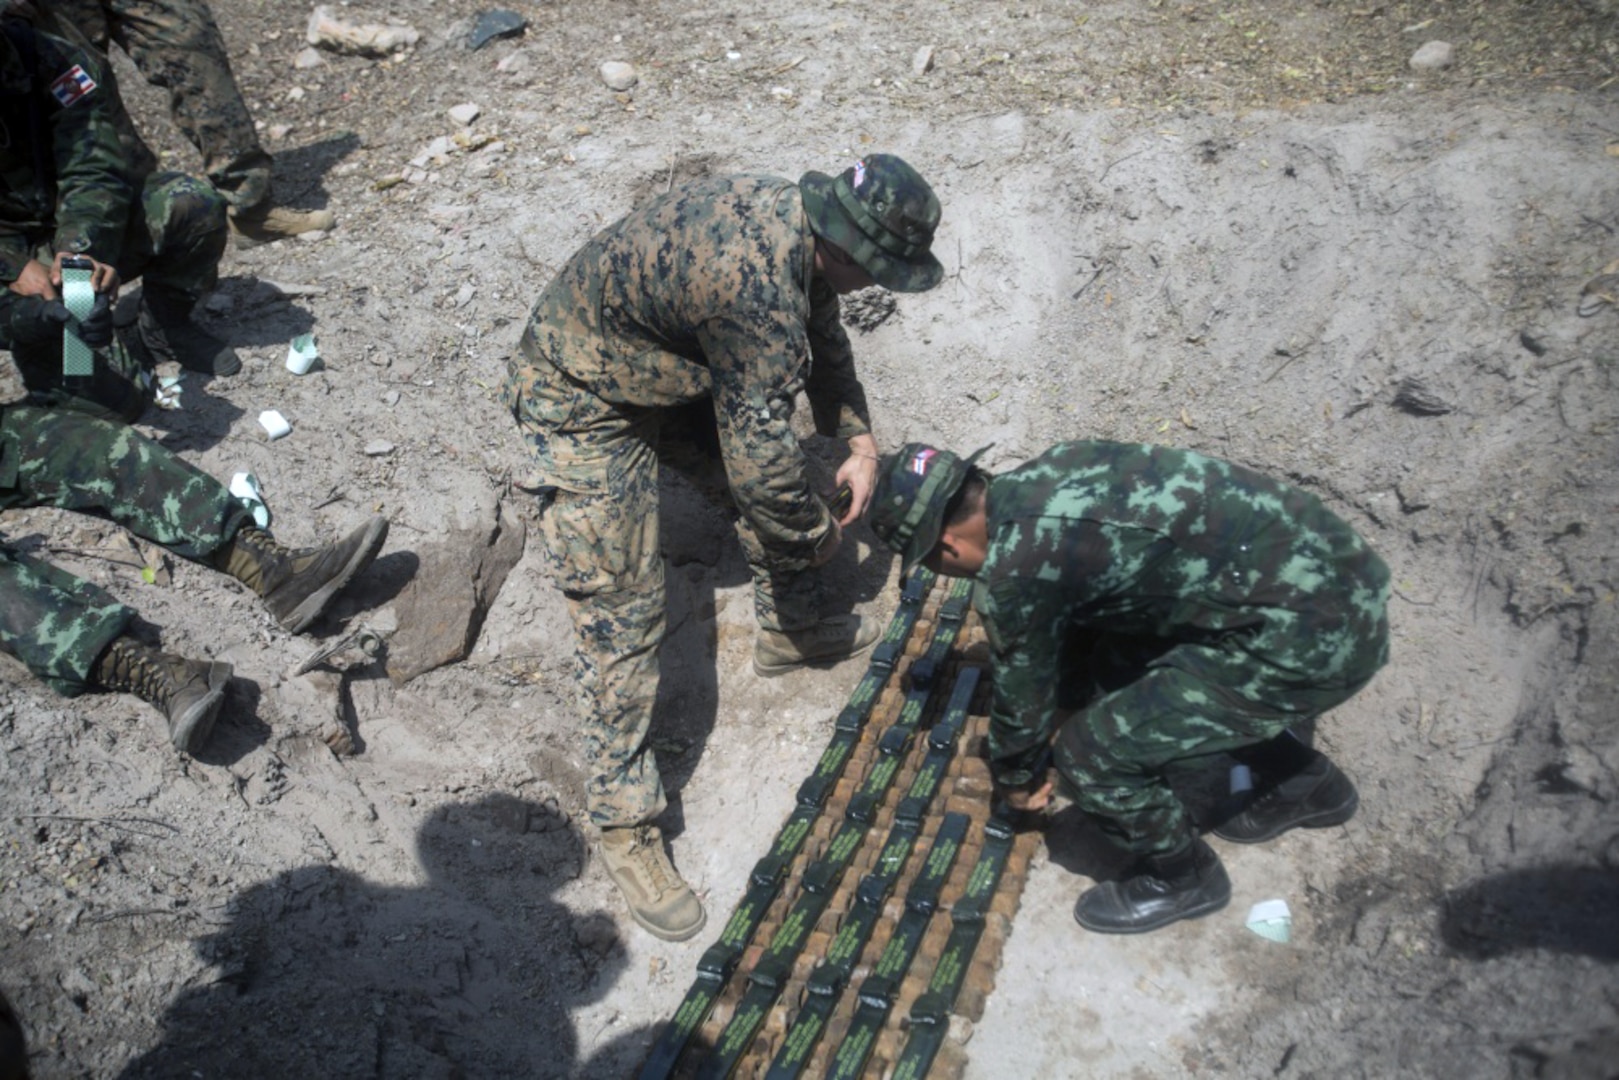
[174, 244]
[57, 624]
[119, 390]
[176, 236]
[63, 458]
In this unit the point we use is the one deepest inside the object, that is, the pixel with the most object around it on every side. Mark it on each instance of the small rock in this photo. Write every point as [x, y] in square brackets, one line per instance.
[378, 448]
[495, 24]
[618, 75]
[922, 60]
[295, 94]
[465, 113]
[513, 64]
[1432, 56]
[391, 398]
[447, 217]
[1415, 397]
[277, 132]
[308, 58]
[326, 31]
[464, 295]
[312, 236]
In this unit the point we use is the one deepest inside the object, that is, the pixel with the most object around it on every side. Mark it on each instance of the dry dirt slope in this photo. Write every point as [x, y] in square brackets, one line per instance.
[1371, 291]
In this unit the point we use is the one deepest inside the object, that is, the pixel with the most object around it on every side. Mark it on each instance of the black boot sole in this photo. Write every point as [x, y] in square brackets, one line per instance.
[191, 728]
[1196, 911]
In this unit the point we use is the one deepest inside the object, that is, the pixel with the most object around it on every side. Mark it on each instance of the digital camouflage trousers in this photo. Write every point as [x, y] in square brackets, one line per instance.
[58, 624]
[598, 466]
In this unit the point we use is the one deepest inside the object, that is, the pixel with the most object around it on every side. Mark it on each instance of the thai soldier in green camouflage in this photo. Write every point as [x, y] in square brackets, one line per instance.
[1147, 609]
[176, 45]
[721, 293]
[68, 191]
[73, 635]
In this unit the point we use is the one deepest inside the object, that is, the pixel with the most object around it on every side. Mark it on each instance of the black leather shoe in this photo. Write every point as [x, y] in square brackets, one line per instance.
[1317, 797]
[1165, 888]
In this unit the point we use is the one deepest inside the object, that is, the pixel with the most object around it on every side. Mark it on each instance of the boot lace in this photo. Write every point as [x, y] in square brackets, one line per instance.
[648, 855]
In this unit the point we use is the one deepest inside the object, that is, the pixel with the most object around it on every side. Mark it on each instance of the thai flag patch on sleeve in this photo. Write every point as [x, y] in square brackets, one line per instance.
[72, 85]
[919, 463]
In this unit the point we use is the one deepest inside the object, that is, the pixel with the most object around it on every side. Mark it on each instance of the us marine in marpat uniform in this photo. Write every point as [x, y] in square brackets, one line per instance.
[720, 301]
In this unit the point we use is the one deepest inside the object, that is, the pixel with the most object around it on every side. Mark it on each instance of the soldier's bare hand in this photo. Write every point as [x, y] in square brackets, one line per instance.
[1030, 800]
[103, 276]
[859, 471]
[35, 280]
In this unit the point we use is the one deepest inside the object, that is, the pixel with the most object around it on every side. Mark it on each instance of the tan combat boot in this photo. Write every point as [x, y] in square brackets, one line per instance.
[277, 223]
[836, 638]
[659, 899]
[297, 585]
[187, 692]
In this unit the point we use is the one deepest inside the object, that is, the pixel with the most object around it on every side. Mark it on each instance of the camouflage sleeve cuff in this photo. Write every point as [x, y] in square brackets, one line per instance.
[1013, 778]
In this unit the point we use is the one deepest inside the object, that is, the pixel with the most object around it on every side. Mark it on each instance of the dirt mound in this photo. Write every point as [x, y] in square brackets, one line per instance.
[1252, 231]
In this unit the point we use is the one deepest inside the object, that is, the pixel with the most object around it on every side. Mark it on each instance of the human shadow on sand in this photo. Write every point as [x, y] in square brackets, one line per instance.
[471, 973]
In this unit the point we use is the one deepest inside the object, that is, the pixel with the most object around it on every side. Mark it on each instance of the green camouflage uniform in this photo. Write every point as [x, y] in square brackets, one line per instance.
[176, 45]
[68, 188]
[1185, 605]
[705, 295]
[58, 624]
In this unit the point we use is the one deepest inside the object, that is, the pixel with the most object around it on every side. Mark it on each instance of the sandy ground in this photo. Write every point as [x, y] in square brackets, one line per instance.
[1251, 230]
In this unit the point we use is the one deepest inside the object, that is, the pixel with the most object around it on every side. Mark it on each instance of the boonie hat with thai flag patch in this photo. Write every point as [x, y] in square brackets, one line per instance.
[913, 488]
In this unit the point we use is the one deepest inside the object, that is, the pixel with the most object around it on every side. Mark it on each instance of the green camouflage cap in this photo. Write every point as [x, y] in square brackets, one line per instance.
[883, 214]
[913, 488]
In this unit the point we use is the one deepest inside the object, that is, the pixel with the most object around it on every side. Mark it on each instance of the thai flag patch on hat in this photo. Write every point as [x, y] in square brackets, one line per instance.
[919, 463]
[72, 85]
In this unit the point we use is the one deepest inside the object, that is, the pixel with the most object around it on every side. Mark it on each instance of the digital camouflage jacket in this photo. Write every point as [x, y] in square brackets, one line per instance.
[709, 292]
[1160, 543]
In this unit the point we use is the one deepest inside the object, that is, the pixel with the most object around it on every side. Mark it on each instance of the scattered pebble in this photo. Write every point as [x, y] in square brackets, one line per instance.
[513, 63]
[1432, 56]
[279, 131]
[618, 75]
[465, 113]
[378, 448]
[308, 58]
[922, 60]
[495, 24]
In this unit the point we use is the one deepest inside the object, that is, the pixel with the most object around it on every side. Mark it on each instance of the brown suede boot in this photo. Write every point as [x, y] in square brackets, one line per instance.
[658, 898]
[297, 585]
[831, 639]
[187, 692]
[267, 225]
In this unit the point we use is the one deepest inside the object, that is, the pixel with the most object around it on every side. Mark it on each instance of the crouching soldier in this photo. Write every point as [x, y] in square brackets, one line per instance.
[1148, 608]
[70, 192]
[73, 635]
